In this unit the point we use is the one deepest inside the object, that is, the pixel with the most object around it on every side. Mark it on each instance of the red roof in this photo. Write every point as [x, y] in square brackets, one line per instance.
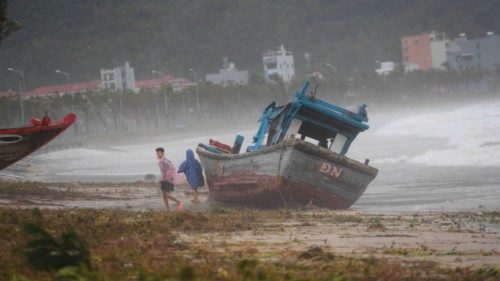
[7, 94]
[95, 85]
[64, 89]
[154, 83]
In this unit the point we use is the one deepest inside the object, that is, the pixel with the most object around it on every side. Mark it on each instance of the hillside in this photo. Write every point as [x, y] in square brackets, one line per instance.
[82, 36]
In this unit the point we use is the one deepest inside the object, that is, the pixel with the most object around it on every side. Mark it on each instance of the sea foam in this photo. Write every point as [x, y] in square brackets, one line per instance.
[473, 135]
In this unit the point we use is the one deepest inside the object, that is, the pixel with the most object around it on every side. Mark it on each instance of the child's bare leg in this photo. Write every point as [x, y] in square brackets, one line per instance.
[165, 200]
[172, 198]
[196, 196]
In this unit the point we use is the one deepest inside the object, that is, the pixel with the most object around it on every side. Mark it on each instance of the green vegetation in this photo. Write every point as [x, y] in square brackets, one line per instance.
[25, 190]
[123, 245]
[45, 252]
[112, 112]
[7, 26]
[376, 225]
[107, 112]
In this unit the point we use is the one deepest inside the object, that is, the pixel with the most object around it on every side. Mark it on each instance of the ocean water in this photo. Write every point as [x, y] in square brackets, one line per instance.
[441, 159]
[472, 134]
[121, 162]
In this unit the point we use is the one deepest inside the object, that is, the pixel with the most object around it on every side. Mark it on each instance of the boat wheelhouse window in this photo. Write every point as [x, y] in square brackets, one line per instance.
[320, 135]
[337, 144]
[293, 129]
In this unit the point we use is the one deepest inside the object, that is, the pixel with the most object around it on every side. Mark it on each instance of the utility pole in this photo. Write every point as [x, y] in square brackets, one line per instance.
[65, 74]
[239, 95]
[164, 93]
[122, 116]
[22, 88]
[240, 104]
[197, 91]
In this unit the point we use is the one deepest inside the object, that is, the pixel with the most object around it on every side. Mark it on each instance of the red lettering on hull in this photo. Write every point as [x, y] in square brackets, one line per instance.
[329, 170]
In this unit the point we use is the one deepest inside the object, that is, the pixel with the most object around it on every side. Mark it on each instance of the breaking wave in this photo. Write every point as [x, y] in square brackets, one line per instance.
[473, 135]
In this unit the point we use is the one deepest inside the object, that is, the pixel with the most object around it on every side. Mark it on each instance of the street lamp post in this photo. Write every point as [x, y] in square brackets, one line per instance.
[197, 91]
[22, 88]
[164, 92]
[65, 74]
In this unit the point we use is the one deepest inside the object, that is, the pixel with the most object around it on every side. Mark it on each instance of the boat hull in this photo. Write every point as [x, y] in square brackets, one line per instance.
[292, 171]
[17, 143]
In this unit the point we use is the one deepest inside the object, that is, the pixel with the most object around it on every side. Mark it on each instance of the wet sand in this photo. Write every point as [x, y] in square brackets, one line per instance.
[131, 196]
[450, 239]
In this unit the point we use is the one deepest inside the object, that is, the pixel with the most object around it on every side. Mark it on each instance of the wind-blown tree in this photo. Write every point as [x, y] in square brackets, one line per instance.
[9, 108]
[97, 105]
[81, 106]
[7, 26]
[99, 112]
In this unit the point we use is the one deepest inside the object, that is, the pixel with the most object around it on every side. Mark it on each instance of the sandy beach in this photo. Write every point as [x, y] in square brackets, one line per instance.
[421, 246]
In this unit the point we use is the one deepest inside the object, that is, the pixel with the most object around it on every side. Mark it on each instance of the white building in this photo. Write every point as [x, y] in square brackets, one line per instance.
[279, 63]
[439, 46]
[118, 78]
[386, 67]
[180, 84]
[229, 75]
[482, 53]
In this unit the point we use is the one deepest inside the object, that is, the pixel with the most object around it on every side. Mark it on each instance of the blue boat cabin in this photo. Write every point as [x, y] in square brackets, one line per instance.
[308, 118]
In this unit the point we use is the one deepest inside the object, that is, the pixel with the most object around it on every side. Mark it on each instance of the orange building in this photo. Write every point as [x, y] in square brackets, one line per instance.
[417, 52]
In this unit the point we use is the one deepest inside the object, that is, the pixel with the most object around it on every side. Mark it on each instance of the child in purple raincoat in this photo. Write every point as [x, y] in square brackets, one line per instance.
[194, 173]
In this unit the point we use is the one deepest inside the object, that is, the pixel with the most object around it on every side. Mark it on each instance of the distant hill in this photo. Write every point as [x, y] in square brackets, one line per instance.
[82, 36]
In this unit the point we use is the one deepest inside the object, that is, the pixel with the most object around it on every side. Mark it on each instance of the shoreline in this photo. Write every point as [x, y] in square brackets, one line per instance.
[140, 195]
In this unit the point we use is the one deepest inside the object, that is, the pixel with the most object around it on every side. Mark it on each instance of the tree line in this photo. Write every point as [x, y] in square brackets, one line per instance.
[108, 112]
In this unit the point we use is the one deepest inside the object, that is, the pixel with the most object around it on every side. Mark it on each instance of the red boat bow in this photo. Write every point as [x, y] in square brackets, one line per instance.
[17, 143]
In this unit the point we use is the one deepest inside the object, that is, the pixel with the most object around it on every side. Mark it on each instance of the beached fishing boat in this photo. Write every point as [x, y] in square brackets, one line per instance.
[297, 155]
[17, 143]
